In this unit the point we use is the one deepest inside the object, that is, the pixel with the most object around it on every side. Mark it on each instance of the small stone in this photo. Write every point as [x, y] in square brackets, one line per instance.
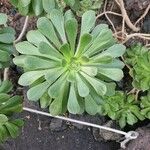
[57, 125]
[101, 135]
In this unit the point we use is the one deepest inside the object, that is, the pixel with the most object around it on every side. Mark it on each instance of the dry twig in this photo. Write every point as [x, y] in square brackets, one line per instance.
[126, 17]
[23, 30]
[144, 14]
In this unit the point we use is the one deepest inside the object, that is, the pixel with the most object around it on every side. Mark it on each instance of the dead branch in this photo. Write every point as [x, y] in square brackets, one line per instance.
[126, 17]
[144, 14]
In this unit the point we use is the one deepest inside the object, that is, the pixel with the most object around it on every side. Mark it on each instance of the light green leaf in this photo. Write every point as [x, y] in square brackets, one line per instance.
[99, 86]
[45, 100]
[3, 19]
[48, 5]
[112, 73]
[71, 27]
[29, 77]
[73, 104]
[83, 89]
[32, 62]
[91, 71]
[3, 119]
[83, 43]
[36, 92]
[4, 56]
[58, 21]
[37, 7]
[35, 37]
[88, 22]
[45, 27]
[53, 74]
[116, 50]
[66, 51]
[24, 3]
[52, 53]
[58, 86]
[90, 105]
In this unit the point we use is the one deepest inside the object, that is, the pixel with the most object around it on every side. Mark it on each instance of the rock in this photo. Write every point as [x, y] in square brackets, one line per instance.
[57, 125]
[142, 142]
[101, 135]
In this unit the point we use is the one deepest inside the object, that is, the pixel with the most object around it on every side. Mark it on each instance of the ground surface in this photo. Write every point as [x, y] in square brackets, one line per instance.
[69, 139]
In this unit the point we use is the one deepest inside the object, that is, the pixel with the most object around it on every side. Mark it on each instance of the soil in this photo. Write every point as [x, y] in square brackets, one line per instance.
[45, 133]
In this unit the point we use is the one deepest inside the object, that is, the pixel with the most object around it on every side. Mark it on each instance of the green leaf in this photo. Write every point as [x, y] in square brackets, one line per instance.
[3, 19]
[48, 5]
[36, 92]
[37, 7]
[116, 50]
[66, 51]
[88, 22]
[71, 27]
[46, 28]
[7, 35]
[51, 53]
[122, 121]
[73, 104]
[29, 77]
[32, 62]
[4, 56]
[90, 105]
[131, 119]
[35, 37]
[83, 43]
[91, 71]
[55, 89]
[12, 105]
[99, 86]
[45, 100]
[12, 129]
[53, 74]
[83, 89]
[6, 86]
[112, 73]
[58, 21]
[3, 119]
[56, 106]
[25, 2]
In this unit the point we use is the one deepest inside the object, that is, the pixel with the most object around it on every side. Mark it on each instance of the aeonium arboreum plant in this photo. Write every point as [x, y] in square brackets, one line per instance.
[9, 127]
[67, 72]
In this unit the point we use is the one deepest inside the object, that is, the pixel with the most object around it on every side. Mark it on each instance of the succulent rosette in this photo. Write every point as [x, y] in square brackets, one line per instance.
[67, 68]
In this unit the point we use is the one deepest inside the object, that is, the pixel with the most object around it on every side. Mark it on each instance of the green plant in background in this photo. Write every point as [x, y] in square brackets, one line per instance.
[67, 72]
[34, 7]
[39, 7]
[138, 57]
[145, 105]
[9, 105]
[81, 6]
[123, 108]
[7, 36]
